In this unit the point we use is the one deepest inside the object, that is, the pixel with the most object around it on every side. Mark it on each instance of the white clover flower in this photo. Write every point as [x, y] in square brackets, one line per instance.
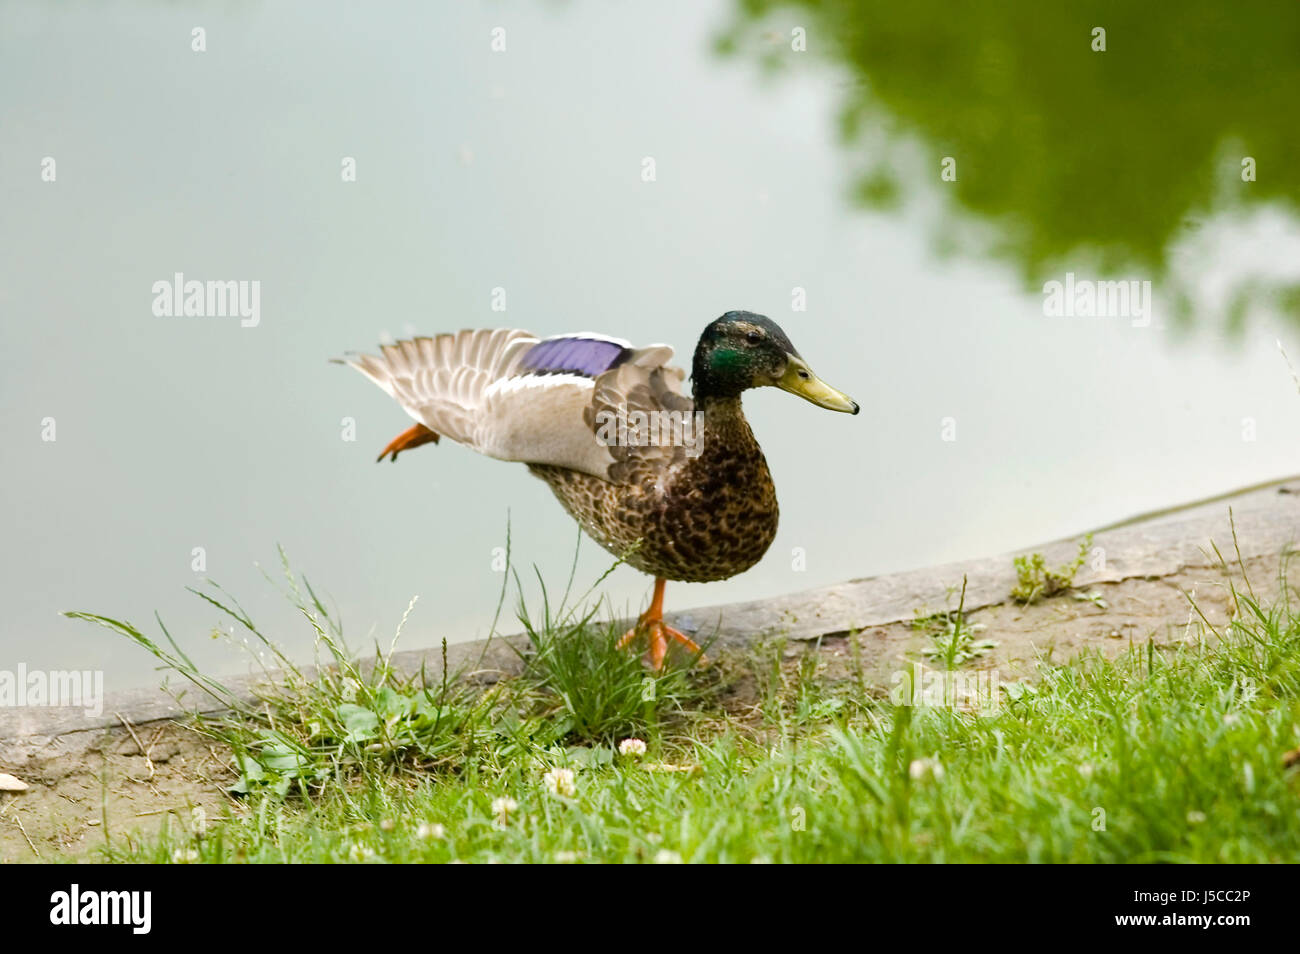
[560, 782]
[358, 852]
[634, 747]
[429, 830]
[1085, 770]
[566, 857]
[502, 808]
[1195, 818]
[925, 768]
[185, 856]
[666, 857]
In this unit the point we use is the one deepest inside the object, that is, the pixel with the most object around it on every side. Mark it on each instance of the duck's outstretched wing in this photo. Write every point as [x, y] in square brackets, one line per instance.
[510, 395]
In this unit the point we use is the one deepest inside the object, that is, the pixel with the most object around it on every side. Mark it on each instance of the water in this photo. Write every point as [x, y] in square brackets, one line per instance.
[522, 170]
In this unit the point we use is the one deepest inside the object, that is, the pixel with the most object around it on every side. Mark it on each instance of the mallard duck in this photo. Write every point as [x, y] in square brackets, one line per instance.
[677, 487]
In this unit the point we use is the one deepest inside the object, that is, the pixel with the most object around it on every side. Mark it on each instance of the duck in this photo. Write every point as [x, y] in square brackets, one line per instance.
[674, 485]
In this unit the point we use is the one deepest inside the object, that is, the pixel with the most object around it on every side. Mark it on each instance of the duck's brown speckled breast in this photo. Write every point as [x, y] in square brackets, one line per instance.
[699, 519]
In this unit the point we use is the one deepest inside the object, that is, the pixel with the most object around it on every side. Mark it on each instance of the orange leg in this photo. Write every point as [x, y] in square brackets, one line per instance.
[412, 437]
[660, 633]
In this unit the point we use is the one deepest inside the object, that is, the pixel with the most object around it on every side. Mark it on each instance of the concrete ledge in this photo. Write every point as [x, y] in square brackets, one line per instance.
[1267, 521]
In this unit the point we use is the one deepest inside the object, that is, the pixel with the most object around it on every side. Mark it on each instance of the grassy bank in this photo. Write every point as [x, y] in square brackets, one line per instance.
[1173, 753]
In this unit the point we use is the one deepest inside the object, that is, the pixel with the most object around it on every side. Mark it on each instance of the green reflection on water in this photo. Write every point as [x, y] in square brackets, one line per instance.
[1063, 153]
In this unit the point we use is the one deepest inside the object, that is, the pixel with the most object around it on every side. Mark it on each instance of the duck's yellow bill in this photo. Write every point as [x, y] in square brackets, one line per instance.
[799, 379]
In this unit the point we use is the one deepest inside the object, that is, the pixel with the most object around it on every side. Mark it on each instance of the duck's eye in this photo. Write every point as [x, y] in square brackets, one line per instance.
[753, 337]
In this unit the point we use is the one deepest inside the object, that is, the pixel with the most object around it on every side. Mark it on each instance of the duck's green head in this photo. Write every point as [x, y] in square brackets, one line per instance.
[742, 350]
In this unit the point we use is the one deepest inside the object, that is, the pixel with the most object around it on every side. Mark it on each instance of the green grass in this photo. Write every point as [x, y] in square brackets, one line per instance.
[1171, 754]
[582, 686]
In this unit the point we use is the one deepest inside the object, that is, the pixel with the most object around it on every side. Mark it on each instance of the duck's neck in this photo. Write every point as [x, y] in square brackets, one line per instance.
[725, 429]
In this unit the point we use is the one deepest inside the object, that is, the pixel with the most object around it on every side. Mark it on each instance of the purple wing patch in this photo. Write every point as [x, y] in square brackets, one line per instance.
[573, 355]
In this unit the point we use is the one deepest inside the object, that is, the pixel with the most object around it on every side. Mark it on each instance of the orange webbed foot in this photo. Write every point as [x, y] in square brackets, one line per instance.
[411, 437]
[660, 634]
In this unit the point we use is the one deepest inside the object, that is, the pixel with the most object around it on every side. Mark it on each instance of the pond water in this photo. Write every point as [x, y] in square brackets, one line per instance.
[893, 187]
